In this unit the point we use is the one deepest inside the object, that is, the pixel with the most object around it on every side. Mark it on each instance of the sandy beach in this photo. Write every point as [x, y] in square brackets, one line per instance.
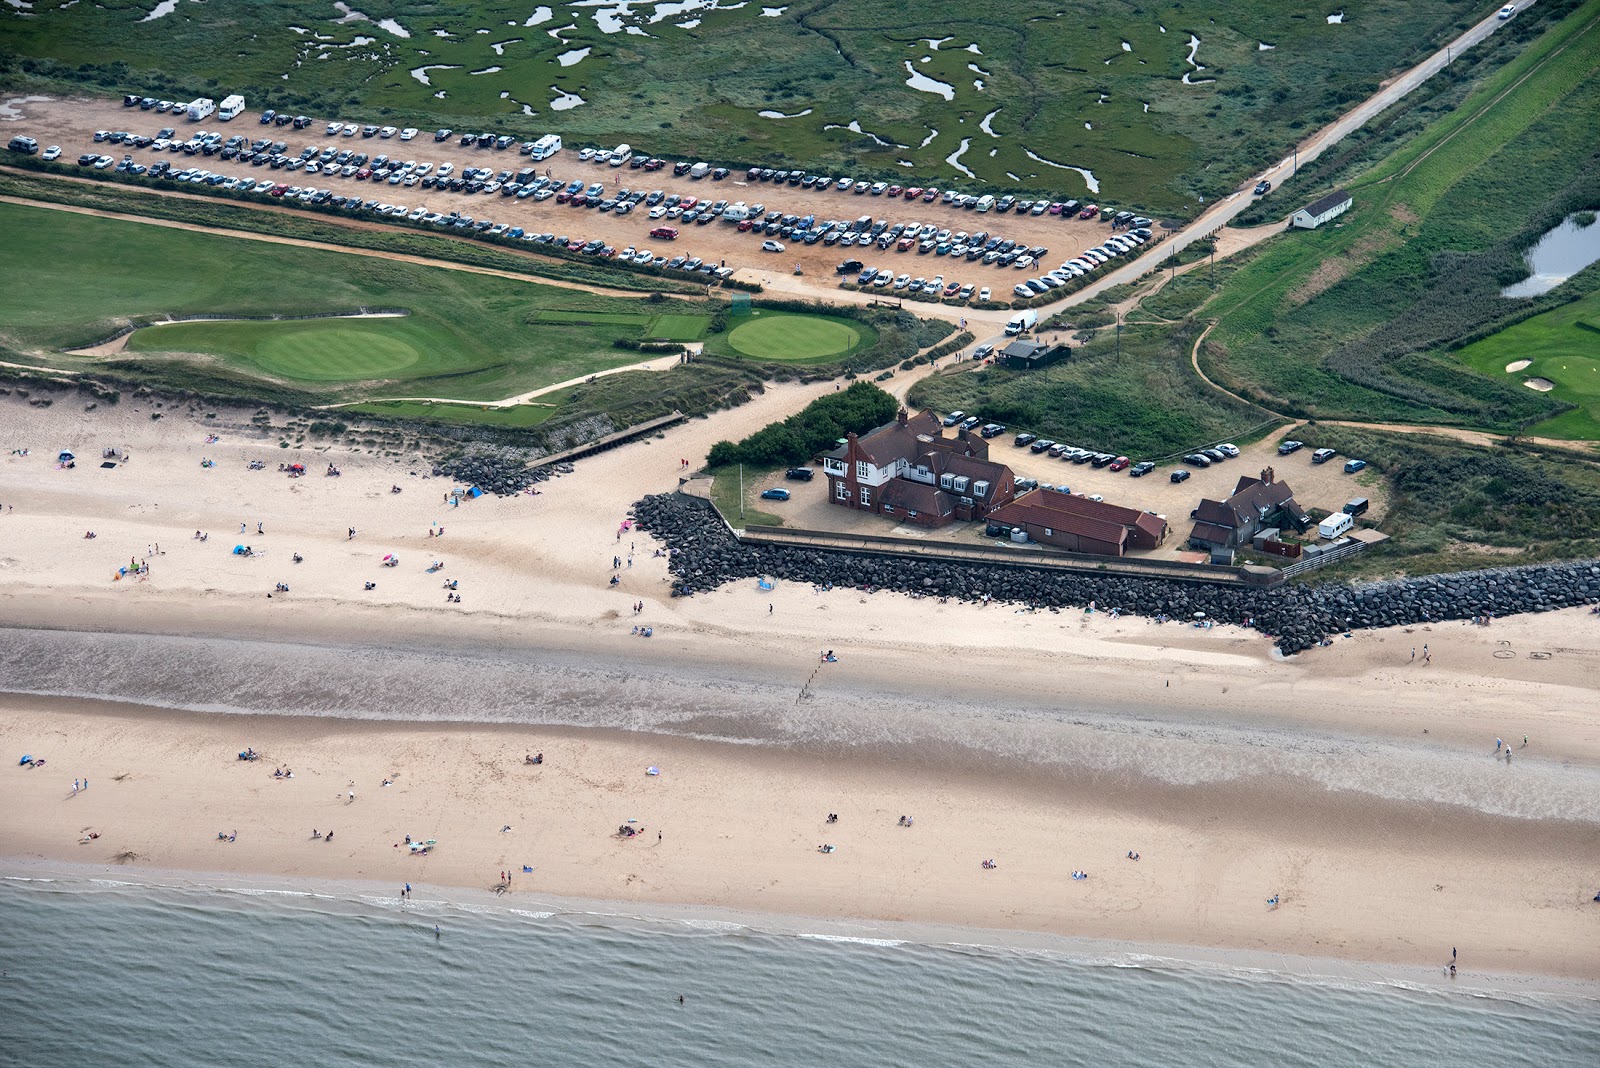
[1359, 786]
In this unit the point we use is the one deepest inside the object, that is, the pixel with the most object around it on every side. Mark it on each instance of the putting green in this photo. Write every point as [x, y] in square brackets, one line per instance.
[329, 350]
[772, 336]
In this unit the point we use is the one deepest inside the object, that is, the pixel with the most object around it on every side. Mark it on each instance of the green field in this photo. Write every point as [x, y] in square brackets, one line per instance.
[467, 336]
[1357, 320]
[1564, 346]
[1099, 87]
[765, 335]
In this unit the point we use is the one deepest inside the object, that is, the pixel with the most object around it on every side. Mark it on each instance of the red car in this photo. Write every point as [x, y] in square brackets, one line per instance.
[1089, 212]
[914, 192]
[1119, 463]
[745, 226]
[279, 190]
[688, 202]
[894, 190]
[929, 195]
[952, 289]
[666, 233]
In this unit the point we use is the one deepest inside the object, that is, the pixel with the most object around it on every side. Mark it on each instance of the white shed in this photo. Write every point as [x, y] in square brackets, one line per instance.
[1318, 212]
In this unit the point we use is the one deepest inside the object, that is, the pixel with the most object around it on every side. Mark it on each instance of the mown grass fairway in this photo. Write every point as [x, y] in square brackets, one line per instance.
[794, 338]
[662, 327]
[467, 336]
[1564, 346]
[1098, 86]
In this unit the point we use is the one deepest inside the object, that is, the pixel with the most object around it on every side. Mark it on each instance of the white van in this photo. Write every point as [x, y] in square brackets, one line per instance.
[699, 170]
[231, 106]
[621, 154]
[985, 202]
[1335, 525]
[545, 147]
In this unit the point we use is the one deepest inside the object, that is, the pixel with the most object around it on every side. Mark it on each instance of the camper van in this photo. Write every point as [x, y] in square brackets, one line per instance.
[985, 202]
[231, 106]
[1335, 525]
[736, 212]
[202, 109]
[621, 155]
[545, 147]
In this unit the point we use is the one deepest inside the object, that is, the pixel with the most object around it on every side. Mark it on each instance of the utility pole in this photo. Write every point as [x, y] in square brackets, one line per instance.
[1211, 269]
[1296, 159]
[741, 491]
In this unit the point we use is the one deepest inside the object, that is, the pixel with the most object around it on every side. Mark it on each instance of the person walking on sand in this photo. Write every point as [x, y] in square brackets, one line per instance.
[1413, 654]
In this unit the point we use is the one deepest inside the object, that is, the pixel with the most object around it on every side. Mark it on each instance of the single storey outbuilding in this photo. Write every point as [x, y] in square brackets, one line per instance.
[1318, 212]
[1031, 355]
[1078, 524]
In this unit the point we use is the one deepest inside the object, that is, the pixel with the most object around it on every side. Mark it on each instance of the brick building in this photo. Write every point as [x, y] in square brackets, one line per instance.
[1079, 524]
[908, 470]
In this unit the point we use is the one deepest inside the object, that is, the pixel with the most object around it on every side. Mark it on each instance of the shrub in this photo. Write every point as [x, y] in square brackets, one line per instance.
[811, 430]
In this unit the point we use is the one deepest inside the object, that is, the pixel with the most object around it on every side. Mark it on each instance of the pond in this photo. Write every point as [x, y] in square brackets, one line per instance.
[1559, 255]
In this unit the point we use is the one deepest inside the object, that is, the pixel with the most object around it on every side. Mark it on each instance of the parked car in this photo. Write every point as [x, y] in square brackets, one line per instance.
[992, 430]
[954, 417]
[1180, 475]
[1195, 459]
[1229, 450]
[1142, 468]
[772, 246]
[1119, 464]
[1024, 439]
[1286, 447]
[53, 152]
[1352, 466]
[776, 493]
[1322, 456]
[800, 474]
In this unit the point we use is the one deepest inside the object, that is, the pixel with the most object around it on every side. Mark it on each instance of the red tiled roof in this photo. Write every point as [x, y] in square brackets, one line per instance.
[1048, 505]
[917, 497]
[1037, 507]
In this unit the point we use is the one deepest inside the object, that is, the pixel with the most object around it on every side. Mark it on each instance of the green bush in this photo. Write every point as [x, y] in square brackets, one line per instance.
[813, 429]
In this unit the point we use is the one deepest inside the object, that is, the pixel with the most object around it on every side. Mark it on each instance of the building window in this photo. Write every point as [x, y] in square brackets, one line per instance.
[866, 497]
[841, 491]
[863, 469]
[1049, 533]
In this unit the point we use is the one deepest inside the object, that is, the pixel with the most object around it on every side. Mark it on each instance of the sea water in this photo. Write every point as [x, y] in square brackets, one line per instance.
[105, 971]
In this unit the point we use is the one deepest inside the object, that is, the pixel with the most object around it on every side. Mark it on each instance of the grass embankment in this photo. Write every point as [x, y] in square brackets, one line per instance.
[1355, 320]
[1147, 403]
[1099, 89]
[467, 336]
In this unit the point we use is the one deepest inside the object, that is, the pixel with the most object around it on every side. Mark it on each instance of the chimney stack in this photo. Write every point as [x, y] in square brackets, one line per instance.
[902, 415]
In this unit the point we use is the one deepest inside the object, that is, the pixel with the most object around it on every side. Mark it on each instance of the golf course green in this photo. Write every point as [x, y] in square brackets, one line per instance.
[788, 338]
[325, 350]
